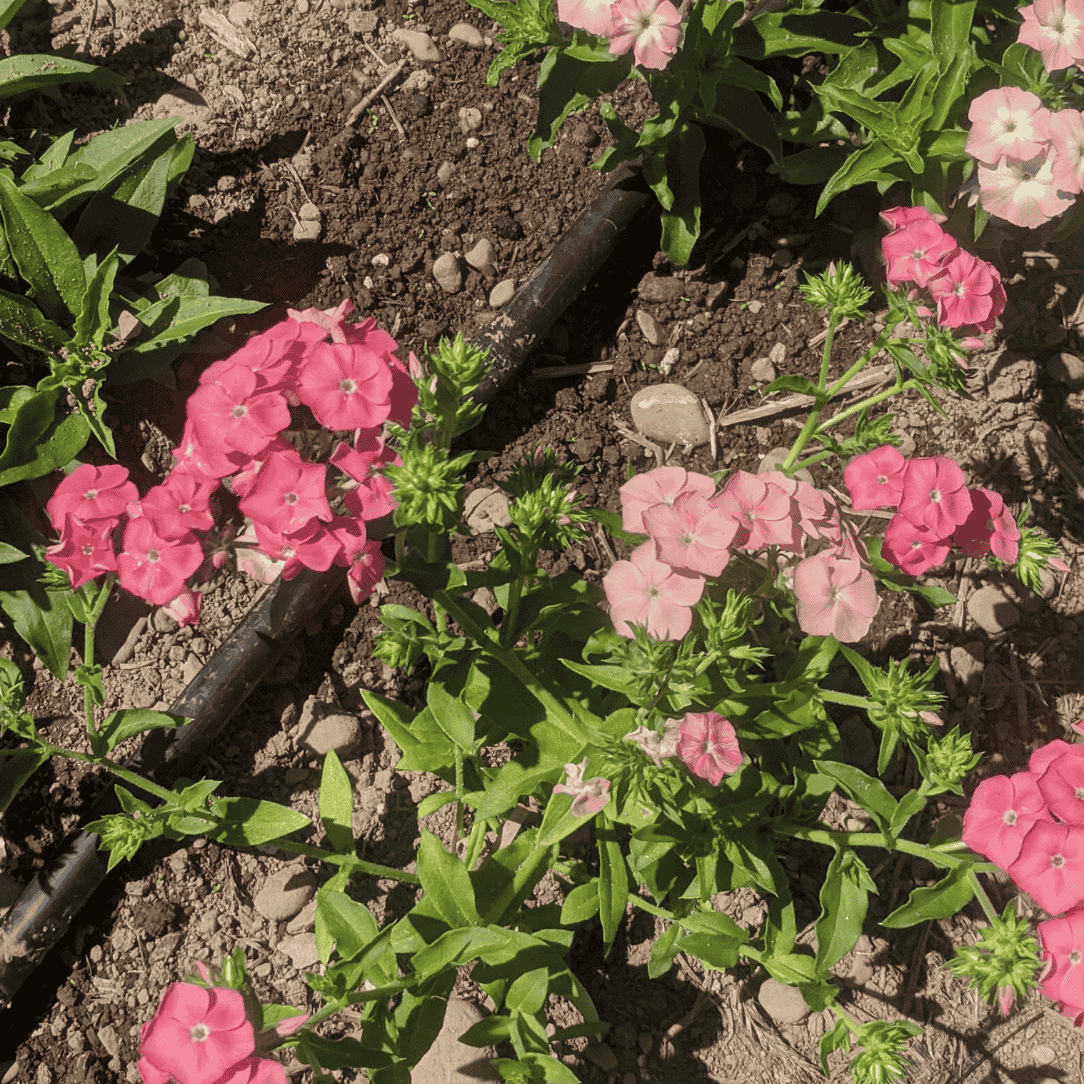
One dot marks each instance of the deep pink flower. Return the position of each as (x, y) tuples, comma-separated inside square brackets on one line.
[(915, 252), (314, 546), (662, 485), (346, 387), (836, 597), (762, 511), (935, 495), (1006, 122), (272, 355), (645, 591), (691, 535), (913, 549), (1050, 867), (875, 480), (990, 528), (372, 497), (650, 28), (1062, 943), (588, 795), (968, 291), (208, 459), (185, 608), (197, 1035), (898, 217), (91, 494), (1056, 29), (708, 746), (181, 503), (1046, 756), (360, 556), (1000, 812), (591, 15), (288, 493), (153, 567), (85, 551), (1059, 773), (256, 1071), (232, 414)]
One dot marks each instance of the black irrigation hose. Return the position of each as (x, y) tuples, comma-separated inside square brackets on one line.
[(40, 918)]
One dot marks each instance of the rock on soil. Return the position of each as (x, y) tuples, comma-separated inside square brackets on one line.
[(670, 414), (285, 893), (784, 1004), (991, 610), (449, 1061)]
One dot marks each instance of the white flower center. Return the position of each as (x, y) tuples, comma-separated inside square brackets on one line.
[(1009, 817), (199, 1033), (290, 498), (153, 555), (347, 386)]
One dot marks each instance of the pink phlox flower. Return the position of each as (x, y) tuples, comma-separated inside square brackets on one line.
[(185, 610), (1062, 943), (1006, 996), (915, 252), (650, 28), (708, 746), (1055, 28), (1022, 191), (91, 494), (657, 745), (252, 560), (1001, 810), (594, 16), (935, 495), (817, 512), (898, 217), (331, 321), (844, 540), (153, 567), (912, 549), (206, 458), (372, 497), (314, 546), (990, 528), (1062, 785), (836, 597), (242, 483), (1050, 867), (646, 591), (288, 493), (588, 795), (272, 355), (197, 1035), (1006, 122), (404, 392), (1040, 761), (256, 1071), (360, 556), (691, 535), (968, 291), (181, 503), (232, 414), (875, 479), (346, 387), (659, 486), (762, 511), (85, 551)]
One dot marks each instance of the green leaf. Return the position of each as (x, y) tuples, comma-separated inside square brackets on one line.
[(451, 715), (39, 441), (681, 221), (332, 1054), (713, 938), (580, 904), (8, 10), (941, 900), (28, 71), (445, 880), (839, 1038), (16, 767), (337, 804), (528, 993), (663, 952), (93, 320), (613, 881), (349, 924), (46, 257), (248, 822), (9, 555), (43, 620), (844, 897), (871, 794), (489, 1031), (22, 322), (869, 163)]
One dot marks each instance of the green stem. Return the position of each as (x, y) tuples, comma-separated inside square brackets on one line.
[(104, 591), (933, 855), (865, 404), (810, 426), (984, 899), (458, 793), (515, 594)]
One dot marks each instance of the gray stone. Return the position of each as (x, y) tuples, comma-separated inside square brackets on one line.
[(305, 920), (470, 120), (446, 272), (774, 459), (241, 13), (762, 371), (1067, 369), (422, 46), (448, 1061), (648, 327), (660, 290), (502, 293), (301, 948), (991, 610), (337, 731), (162, 622), (784, 1004), (107, 1036), (307, 230), (445, 172), (481, 256), (285, 893), (485, 508), (467, 35), (967, 664), (670, 414)]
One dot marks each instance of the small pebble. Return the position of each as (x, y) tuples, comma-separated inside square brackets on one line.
[(784, 1004), (991, 610), (447, 273), (762, 371), (422, 46), (668, 414), (502, 293), (481, 256), (1043, 1055), (648, 327), (467, 35)]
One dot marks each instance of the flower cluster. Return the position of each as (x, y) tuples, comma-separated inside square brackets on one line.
[(234, 436), (650, 28), (1031, 824), (966, 290), (692, 531), (936, 510)]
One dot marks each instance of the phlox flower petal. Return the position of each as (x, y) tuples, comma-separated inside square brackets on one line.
[(836, 597), (989, 529), (659, 486), (1050, 867), (691, 535), (708, 746), (935, 495), (913, 549), (1055, 28), (645, 591), (650, 28), (1006, 122), (875, 479), (1001, 810), (91, 494), (1021, 191)]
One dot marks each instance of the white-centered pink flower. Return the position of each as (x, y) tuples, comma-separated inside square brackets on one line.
[(1056, 29), (968, 291), (588, 795), (762, 511), (691, 535), (594, 16), (663, 485), (650, 28), (1022, 192), (914, 253), (836, 597), (645, 591), (708, 746), (1006, 122), (875, 479), (999, 814), (1067, 136)]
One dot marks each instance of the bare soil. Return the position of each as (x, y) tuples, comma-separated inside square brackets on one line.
[(271, 135)]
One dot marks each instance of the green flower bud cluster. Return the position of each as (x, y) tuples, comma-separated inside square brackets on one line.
[(427, 485), (839, 289), (1006, 956)]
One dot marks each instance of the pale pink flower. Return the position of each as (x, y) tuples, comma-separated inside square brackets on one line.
[(645, 591), (85, 551), (185, 610), (662, 485), (1067, 136), (1056, 29), (1062, 943), (708, 746), (762, 511), (1006, 122), (1022, 191), (915, 252), (291, 1025), (691, 535), (650, 28), (232, 414), (656, 745), (196, 1035), (935, 495), (153, 567), (1001, 810), (836, 597), (898, 217), (346, 387), (968, 291), (990, 528), (588, 795), (1050, 867), (288, 493), (594, 16), (91, 494), (875, 479), (913, 549)]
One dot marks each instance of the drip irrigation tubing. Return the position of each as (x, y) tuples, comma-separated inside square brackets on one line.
[(43, 913)]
